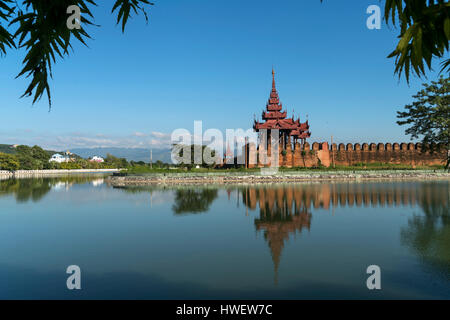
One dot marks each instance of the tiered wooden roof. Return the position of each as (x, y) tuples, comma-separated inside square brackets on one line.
[(275, 118)]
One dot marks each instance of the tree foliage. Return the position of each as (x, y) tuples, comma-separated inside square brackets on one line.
[(8, 162), (40, 27), (193, 149), (429, 115), (36, 158), (32, 158), (424, 34), (115, 161)]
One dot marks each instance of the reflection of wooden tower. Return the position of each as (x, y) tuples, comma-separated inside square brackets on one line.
[(281, 214), (276, 232), (284, 210)]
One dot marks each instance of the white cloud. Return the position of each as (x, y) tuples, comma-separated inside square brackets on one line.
[(70, 140), (82, 140), (160, 134), (140, 134)]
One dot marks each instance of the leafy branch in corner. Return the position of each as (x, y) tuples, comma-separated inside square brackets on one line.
[(40, 28), (424, 34)]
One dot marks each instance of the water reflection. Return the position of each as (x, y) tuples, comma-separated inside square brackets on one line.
[(282, 212), (411, 221), (35, 189), (186, 200), (287, 210), (193, 200), (428, 234), (326, 195), (25, 190)]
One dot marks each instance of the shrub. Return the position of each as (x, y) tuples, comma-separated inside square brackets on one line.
[(9, 162), (70, 165)]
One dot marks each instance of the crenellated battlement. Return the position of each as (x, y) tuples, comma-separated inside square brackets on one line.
[(306, 155), (376, 147)]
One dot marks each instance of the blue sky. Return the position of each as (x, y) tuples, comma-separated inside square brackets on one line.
[(211, 60)]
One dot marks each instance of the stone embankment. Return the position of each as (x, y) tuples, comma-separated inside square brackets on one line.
[(47, 173), (122, 181)]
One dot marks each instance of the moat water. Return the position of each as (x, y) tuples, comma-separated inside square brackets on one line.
[(292, 241)]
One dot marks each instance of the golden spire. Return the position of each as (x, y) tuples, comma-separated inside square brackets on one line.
[(273, 78)]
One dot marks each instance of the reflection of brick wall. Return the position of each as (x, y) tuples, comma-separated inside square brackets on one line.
[(324, 195), (346, 155)]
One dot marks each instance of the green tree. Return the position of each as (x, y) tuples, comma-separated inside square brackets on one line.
[(28, 163), (429, 115), (111, 160), (39, 153), (159, 164), (25, 157), (40, 27), (22, 149), (9, 162), (201, 149), (424, 34), (41, 156), (32, 158)]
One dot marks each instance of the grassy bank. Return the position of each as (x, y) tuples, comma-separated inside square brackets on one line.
[(142, 170)]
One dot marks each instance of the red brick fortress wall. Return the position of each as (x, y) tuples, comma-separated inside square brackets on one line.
[(350, 154), (396, 153)]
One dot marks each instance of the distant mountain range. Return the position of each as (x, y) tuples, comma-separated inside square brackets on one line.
[(135, 154)]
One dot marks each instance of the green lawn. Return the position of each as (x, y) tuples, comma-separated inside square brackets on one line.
[(370, 167)]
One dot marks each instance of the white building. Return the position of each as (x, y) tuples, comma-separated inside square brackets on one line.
[(58, 158), (97, 159)]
